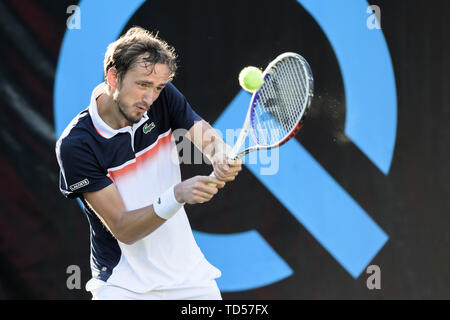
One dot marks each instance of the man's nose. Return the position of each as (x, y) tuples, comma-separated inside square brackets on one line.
[(148, 97)]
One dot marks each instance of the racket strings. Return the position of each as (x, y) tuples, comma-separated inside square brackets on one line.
[(280, 102)]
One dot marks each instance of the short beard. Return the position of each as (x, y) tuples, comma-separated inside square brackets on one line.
[(123, 113)]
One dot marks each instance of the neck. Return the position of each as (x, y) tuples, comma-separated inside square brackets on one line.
[(109, 111)]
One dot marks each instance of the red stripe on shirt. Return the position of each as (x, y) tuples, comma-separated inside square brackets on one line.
[(144, 157)]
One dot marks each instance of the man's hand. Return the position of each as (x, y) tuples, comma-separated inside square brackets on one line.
[(226, 169), (198, 189)]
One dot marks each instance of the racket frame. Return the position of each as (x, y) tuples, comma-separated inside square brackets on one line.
[(246, 128)]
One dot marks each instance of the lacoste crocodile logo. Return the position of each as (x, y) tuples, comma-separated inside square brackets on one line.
[(148, 127)]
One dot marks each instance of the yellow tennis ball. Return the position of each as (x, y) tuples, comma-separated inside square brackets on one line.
[(251, 79)]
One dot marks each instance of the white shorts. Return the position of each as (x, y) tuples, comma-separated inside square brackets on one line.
[(205, 291)]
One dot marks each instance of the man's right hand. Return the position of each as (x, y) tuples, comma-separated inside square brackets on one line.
[(197, 189)]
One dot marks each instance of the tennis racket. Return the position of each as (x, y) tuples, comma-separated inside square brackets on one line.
[(277, 109)]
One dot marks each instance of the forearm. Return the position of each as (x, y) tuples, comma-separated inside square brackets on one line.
[(129, 226), (216, 150), (207, 140), (137, 224)]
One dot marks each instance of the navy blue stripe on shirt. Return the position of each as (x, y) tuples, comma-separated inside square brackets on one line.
[(105, 250)]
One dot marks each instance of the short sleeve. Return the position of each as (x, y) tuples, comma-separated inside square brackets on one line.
[(80, 170), (181, 113)]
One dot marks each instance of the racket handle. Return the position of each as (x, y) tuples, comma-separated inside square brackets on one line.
[(210, 183)]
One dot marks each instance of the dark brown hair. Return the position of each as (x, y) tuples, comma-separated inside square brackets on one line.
[(138, 42)]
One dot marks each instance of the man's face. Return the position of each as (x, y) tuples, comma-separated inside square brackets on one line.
[(139, 88)]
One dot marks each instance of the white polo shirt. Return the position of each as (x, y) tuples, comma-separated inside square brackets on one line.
[(139, 160)]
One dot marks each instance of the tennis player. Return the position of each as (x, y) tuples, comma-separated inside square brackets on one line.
[(116, 157)]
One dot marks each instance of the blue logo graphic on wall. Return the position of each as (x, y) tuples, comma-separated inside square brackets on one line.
[(322, 206)]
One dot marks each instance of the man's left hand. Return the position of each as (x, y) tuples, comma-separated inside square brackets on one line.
[(226, 169)]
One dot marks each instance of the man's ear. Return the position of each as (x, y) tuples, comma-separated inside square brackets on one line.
[(112, 78)]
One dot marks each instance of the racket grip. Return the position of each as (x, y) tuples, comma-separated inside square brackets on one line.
[(210, 183)]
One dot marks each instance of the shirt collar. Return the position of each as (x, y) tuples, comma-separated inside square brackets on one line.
[(102, 128)]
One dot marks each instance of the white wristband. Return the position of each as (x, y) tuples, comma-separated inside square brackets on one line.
[(166, 205)]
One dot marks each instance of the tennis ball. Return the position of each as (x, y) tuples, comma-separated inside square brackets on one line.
[(251, 79)]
